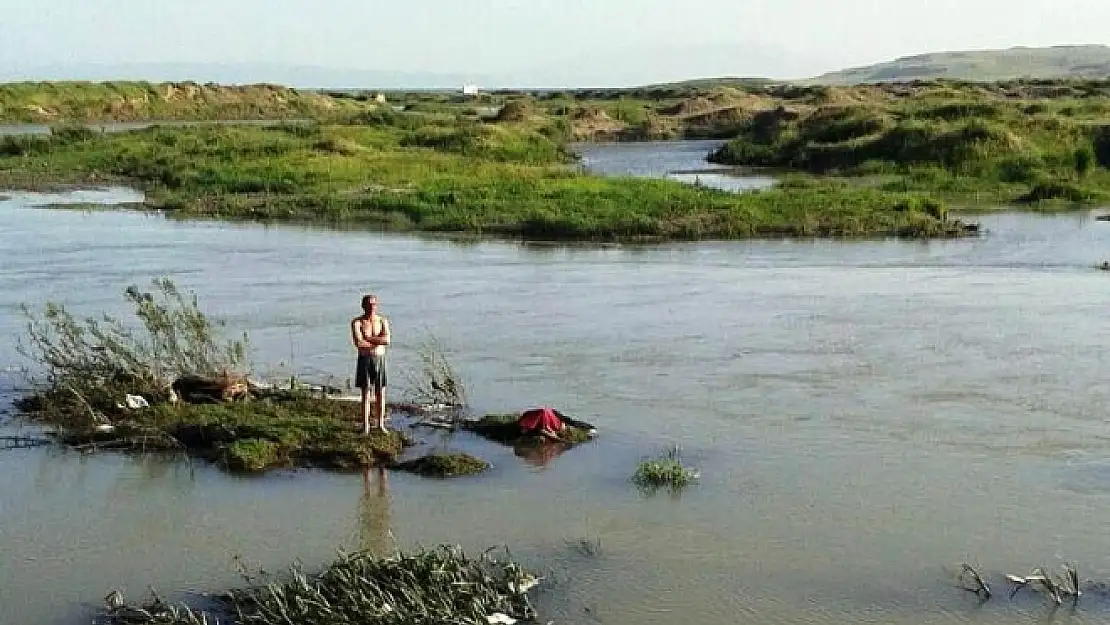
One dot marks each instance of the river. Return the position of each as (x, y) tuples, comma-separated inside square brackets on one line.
[(865, 416)]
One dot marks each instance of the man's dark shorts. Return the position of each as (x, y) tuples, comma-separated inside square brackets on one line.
[(370, 371)]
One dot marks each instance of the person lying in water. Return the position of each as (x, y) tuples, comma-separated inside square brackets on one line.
[(370, 333)]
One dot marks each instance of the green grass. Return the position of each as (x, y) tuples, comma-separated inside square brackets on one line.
[(438, 585), (254, 436), (439, 175), (444, 465), (667, 471), (956, 145), (69, 102)]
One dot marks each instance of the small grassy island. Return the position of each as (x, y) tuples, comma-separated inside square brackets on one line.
[(168, 381)]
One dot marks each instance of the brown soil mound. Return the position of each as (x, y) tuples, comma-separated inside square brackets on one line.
[(594, 123), (722, 100)]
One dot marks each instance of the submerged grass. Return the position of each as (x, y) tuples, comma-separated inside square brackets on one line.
[(441, 585)]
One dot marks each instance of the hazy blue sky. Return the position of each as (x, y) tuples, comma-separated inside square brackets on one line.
[(538, 41)]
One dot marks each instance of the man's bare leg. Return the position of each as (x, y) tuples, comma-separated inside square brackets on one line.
[(380, 405), (366, 409)]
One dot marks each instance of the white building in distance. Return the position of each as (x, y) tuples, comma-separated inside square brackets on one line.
[(470, 89)]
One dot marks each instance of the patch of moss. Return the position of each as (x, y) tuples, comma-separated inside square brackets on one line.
[(252, 455), (444, 465), (500, 428)]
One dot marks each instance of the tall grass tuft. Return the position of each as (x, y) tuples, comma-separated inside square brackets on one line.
[(666, 471)]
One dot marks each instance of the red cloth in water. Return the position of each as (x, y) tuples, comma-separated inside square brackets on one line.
[(539, 419)]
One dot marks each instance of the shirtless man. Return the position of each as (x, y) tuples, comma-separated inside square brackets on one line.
[(370, 333)]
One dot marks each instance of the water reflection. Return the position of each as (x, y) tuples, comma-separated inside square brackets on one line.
[(374, 534), (541, 455)]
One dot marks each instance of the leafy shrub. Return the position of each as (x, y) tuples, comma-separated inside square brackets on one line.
[(90, 364)]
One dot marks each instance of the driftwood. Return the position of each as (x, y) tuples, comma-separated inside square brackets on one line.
[(1057, 588), (199, 389)]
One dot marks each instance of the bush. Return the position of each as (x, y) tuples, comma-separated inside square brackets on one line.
[(73, 133), (1101, 145), (24, 145), (1048, 191), (1021, 169), (839, 124), (90, 364), (518, 110), (1084, 160)]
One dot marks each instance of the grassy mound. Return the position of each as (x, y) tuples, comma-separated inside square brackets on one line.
[(251, 436), (960, 143), (67, 102), (444, 465), (503, 428)]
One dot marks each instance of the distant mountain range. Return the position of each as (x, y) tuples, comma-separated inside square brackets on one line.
[(1087, 61)]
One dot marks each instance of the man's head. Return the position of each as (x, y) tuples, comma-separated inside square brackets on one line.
[(369, 303)]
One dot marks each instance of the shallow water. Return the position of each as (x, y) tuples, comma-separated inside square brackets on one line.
[(684, 161), (865, 416)]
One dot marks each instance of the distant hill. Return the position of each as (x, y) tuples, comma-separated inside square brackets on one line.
[(1087, 61)]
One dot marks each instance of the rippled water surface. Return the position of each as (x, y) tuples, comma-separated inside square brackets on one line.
[(684, 161), (865, 416)]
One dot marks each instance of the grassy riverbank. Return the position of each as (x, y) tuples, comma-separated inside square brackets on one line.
[(438, 173), (76, 102), (962, 143)]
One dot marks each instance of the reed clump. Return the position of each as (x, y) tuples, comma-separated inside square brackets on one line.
[(666, 471), (440, 585)]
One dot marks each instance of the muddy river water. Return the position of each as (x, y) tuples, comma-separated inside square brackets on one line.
[(865, 415)]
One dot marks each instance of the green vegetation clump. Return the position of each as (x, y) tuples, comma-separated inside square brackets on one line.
[(959, 143), (667, 471), (504, 429), (440, 585), (88, 365), (517, 110), (444, 465)]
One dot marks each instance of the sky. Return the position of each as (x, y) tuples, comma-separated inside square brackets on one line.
[(524, 42)]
